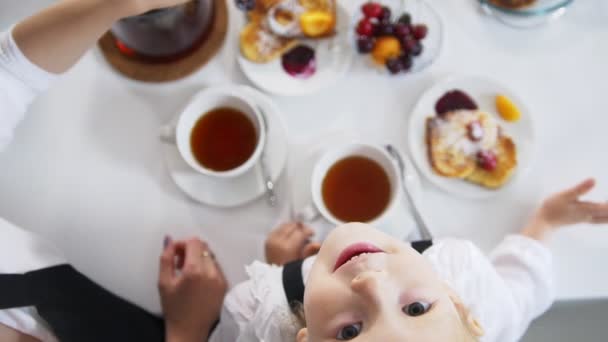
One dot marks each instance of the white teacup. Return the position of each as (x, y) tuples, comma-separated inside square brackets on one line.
[(200, 105), (332, 156)]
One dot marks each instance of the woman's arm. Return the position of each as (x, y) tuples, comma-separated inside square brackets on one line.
[(57, 37)]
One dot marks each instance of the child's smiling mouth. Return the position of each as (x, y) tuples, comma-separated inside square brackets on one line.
[(352, 253)]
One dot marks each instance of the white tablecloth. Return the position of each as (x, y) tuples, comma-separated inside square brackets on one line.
[(86, 169)]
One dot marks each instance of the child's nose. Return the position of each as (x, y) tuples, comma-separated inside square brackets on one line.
[(369, 284)]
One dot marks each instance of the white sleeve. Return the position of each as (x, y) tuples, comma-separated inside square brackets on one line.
[(22, 251), (21, 82), (257, 309), (504, 291)]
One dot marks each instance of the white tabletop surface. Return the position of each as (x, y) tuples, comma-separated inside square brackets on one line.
[(86, 170)]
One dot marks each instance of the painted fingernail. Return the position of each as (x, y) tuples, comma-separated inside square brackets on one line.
[(166, 241)]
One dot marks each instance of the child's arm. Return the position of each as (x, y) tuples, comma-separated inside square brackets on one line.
[(57, 37), (565, 208)]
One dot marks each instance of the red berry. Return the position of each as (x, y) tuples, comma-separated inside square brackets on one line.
[(406, 61), (385, 15), (401, 30), (365, 28), (408, 43), (419, 31), (475, 131), (394, 65), (372, 10), (416, 50), (365, 44), (487, 160)]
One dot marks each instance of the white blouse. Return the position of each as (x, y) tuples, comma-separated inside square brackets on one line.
[(504, 291)]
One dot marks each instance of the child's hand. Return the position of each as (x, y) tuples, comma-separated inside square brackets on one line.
[(565, 208), (290, 242)]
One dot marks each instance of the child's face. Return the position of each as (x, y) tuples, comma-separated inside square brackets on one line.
[(393, 295)]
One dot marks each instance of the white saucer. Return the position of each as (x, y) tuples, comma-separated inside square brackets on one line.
[(333, 58), (400, 224), (483, 91), (242, 189)]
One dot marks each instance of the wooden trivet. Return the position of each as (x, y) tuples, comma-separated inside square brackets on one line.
[(165, 72)]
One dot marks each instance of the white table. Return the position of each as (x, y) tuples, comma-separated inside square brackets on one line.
[(86, 170)]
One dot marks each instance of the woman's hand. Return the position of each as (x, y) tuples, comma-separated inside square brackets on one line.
[(192, 289), (290, 242), (565, 208)]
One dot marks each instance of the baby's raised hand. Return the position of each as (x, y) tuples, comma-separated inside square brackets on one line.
[(565, 208), (289, 242)]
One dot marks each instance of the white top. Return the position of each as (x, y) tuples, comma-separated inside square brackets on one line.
[(20, 83), (20, 251), (504, 291)]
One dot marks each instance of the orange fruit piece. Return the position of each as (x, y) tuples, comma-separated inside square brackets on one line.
[(317, 23), (507, 109), (386, 48)]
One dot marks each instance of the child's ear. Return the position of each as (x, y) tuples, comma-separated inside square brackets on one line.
[(302, 335), (466, 317)]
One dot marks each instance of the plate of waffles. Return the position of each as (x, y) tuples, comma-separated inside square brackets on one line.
[(294, 47), (471, 136)]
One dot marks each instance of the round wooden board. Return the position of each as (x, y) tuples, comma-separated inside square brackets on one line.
[(165, 72)]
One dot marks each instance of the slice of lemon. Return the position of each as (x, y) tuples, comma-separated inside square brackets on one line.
[(317, 23), (507, 109)]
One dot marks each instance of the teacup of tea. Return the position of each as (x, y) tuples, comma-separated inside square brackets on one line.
[(355, 183), (220, 134)]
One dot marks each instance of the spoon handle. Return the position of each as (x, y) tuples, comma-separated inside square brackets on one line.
[(425, 233)]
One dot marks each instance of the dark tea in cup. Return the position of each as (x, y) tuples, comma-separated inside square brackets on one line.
[(356, 189), (223, 139)]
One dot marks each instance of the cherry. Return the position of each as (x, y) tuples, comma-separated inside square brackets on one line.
[(365, 44), (394, 65), (401, 30), (419, 31), (405, 19), (384, 29), (385, 16), (365, 27), (408, 43), (372, 10), (406, 61), (416, 50)]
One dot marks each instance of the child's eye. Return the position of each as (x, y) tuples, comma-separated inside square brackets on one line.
[(416, 309), (349, 332)]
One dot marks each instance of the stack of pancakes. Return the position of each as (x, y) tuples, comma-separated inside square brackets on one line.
[(453, 154)]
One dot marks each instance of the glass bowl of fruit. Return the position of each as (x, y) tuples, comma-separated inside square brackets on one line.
[(396, 36), (525, 13)]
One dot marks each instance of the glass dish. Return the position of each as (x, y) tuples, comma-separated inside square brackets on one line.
[(538, 13), (422, 12)]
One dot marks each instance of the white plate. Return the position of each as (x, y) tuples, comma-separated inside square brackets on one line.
[(422, 12), (333, 57), (242, 189), (483, 91), (400, 224)]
